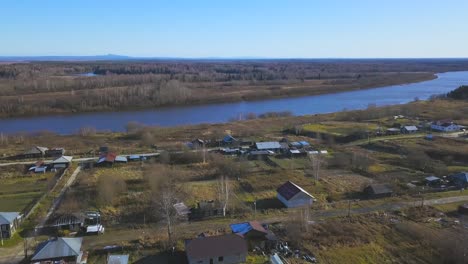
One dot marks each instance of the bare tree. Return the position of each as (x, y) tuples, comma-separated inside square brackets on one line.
[(223, 192), (316, 162)]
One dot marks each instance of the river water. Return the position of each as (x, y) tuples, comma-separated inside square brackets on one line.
[(216, 113)]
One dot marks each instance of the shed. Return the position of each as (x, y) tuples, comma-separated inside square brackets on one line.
[(463, 209), (378, 191), (291, 195), (62, 162), (393, 131), (252, 230)]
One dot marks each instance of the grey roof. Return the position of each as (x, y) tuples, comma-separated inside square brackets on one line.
[(432, 178), (36, 150), (267, 145), (410, 128), (117, 259), (8, 217), (58, 248)]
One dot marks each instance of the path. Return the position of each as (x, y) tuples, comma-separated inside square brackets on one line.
[(16, 254)]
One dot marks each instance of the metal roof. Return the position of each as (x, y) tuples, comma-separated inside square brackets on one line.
[(410, 128), (289, 189), (215, 246), (117, 259), (432, 178), (61, 247), (267, 145), (121, 159), (63, 159), (7, 218)]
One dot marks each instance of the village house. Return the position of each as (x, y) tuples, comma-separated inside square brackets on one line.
[(229, 140), (117, 259), (432, 181), (393, 131), (378, 191), (272, 146), (55, 152), (460, 179), (35, 152), (107, 159), (9, 222), (291, 195), (224, 249), (39, 167), (62, 162), (445, 126), (60, 250), (409, 129)]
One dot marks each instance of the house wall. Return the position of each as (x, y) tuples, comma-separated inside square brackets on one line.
[(226, 260), (445, 129), (299, 200)]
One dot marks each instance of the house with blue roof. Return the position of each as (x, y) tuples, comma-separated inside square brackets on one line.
[(460, 179)]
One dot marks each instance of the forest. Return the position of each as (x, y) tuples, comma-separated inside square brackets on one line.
[(35, 88)]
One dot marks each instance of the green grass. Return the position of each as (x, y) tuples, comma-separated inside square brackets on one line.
[(339, 128)]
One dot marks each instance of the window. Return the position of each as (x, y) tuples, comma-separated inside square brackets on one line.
[(220, 259)]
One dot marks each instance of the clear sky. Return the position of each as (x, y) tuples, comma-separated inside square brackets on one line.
[(236, 28)]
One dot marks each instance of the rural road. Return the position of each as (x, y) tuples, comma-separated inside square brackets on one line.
[(74, 160)]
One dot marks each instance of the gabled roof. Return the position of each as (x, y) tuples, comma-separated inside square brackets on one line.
[(268, 145), (380, 188), (36, 150), (229, 138), (289, 189), (58, 248), (117, 259), (6, 218), (244, 228), (109, 157), (215, 246), (63, 159)]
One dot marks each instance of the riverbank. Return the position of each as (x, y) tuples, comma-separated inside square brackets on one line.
[(136, 98)]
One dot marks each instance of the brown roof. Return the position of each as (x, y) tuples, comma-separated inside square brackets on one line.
[(257, 226), (215, 246), (290, 189)]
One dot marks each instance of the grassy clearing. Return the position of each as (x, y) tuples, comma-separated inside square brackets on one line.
[(339, 128)]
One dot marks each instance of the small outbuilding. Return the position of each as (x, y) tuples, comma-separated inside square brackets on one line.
[(378, 191), (60, 250), (463, 209)]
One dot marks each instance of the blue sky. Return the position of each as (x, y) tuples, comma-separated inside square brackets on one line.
[(238, 28)]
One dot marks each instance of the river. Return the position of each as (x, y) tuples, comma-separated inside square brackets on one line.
[(216, 113)]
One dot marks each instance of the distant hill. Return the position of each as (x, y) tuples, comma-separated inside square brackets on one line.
[(65, 58), (461, 93)]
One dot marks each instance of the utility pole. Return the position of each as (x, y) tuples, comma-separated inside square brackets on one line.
[(255, 209), (1, 235)]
